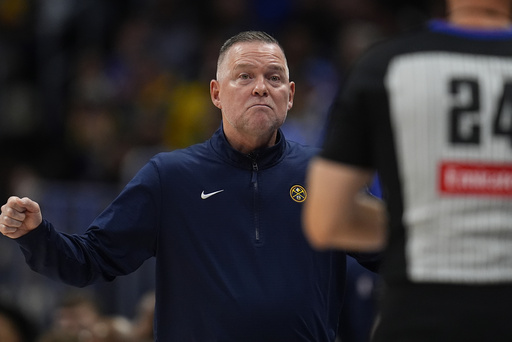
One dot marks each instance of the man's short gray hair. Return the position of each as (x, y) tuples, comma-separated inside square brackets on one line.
[(245, 37)]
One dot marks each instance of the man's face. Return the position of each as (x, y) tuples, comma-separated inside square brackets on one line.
[(253, 89)]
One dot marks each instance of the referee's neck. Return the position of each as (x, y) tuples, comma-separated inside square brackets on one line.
[(480, 14)]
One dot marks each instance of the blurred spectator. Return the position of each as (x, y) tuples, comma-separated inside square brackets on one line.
[(105, 330), (142, 329), (58, 336), (316, 79), (79, 315), (15, 325), (354, 37), (76, 311)]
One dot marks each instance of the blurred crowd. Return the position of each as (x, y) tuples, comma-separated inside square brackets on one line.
[(91, 89), (78, 317)]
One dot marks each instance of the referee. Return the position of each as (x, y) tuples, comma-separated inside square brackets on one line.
[(431, 111)]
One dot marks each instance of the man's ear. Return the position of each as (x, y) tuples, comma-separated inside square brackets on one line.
[(292, 94), (215, 92)]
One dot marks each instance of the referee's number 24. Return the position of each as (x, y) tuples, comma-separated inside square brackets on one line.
[(465, 125)]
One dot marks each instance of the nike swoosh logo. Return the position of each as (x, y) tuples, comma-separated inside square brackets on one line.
[(205, 196)]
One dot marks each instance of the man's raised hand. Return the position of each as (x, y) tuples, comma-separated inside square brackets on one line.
[(19, 216)]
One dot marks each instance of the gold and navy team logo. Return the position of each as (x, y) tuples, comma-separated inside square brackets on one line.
[(298, 193)]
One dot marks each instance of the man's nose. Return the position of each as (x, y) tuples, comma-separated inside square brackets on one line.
[(260, 87)]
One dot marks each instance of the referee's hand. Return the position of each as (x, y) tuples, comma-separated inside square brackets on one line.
[(19, 216)]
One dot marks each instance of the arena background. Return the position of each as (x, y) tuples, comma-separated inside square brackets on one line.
[(91, 89)]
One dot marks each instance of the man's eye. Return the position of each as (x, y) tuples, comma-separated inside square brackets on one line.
[(244, 76), (275, 78)]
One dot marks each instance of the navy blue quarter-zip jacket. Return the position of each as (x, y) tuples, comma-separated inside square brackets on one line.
[(225, 228)]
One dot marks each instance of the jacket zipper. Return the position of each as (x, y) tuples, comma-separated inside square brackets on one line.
[(254, 181)]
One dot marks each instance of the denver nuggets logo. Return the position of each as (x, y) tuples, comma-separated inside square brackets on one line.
[(298, 193)]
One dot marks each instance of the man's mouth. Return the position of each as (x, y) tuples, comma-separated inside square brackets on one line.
[(260, 105)]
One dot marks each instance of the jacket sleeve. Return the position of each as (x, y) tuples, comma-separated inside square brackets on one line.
[(119, 240)]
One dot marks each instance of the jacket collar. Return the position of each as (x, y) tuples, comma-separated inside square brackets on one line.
[(263, 158)]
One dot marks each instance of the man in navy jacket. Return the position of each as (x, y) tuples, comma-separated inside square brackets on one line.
[(222, 218)]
